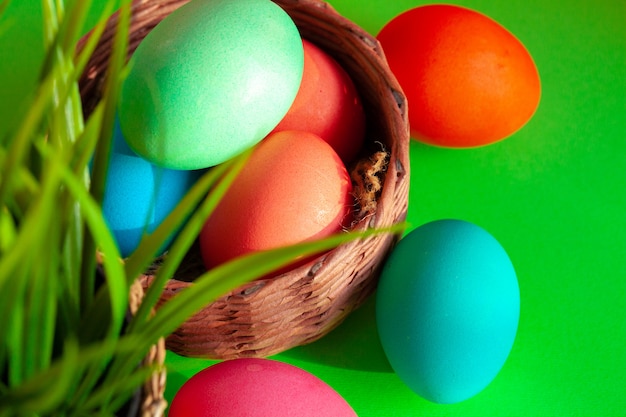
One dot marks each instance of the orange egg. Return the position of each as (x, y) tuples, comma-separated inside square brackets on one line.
[(327, 104), (293, 188), (468, 80)]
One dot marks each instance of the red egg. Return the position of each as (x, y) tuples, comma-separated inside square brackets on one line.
[(253, 387), (327, 104), (293, 188), (468, 80)]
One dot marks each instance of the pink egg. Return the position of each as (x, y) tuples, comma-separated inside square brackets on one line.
[(327, 104), (253, 387), (293, 188)]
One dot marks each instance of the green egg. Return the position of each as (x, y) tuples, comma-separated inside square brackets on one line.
[(209, 81)]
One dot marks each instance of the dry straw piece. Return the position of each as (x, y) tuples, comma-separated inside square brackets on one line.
[(268, 316)]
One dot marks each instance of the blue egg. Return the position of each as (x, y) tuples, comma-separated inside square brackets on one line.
[(447, 310), (139, 195)]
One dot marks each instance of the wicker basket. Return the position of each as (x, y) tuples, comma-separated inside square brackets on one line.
[(269, 316)]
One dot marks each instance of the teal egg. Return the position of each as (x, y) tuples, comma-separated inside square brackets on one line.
[(139, 196), (447, 310), (210, 80)]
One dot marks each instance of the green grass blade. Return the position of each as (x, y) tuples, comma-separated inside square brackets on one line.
[(53, 387), (101, 157), (32, 233), (38, 326), (21, 261), (7, 230), (26, 186), (111, 396), (93, 358), (94, 37), (85, 145), (50, 27), (33, 312), (70, 254), (65, 121), (218, 180), (44, 392), (15, 334), (72, 25), (117, 62), (21, 139), (116, 281), (11, 308), (111, 305), (87, 141), (47, 332)]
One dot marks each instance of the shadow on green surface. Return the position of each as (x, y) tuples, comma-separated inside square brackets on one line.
[(353, 345)]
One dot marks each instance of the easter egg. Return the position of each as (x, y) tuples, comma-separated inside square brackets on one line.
[(254, 387), (138, 195), (468, 80), (327, 104), (210, 80), (293, 188), (447, 309)]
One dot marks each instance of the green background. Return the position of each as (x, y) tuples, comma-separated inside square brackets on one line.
[(553, 194)]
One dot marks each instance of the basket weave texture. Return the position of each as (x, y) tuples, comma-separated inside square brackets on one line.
[(268, 316)]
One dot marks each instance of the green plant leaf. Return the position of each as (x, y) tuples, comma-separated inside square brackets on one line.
[(11, 308), (38, 395), (7, 230), (112, 85), (101, 158), (50, 28), (113, 395), (39, 314), (93, 38), (45, 334), (111, 260), (26, 186), (15, 336), (32, 232), (43, 392), (19, 144), (217, 181), (87, 141), (72, 26)]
